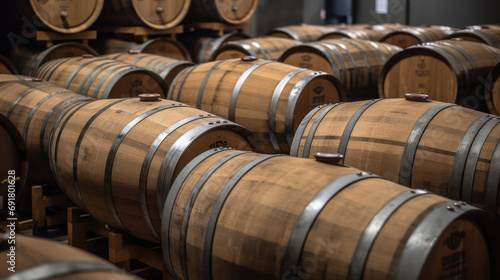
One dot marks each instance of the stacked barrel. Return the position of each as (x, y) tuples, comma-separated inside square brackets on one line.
[(257, 158)]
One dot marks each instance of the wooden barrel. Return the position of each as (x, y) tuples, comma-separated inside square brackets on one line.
[(356, 63), (448, 71), (348, 26), (60, 16), (157, 14), (163, 46), (269, 98), (238, 215), (449, 150), (486, 35), (202, 48), (269, 48), (365, 34), (304, 32), (13, 167), (33, 107), (229, 11), (6, 67), (29, 58), (410, 36), (492, 95), (166, 68), (101, 78), (39, 258), (116, 159)]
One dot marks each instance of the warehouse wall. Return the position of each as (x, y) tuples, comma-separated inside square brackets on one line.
[(457, 13), (275, 13)]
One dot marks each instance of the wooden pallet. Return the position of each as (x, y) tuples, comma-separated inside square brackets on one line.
[(140, 33), (218, 27), (121, 248), (44, 224), (49, 37)]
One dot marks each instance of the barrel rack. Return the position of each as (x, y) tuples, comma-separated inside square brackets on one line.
[(49, 37), (89, 234), (140, 33), (218, 27)]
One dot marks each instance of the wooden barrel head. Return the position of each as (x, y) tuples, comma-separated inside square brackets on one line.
[(307, 57), (161, 14), (165, 47), (460, 252), (236, 12), (401, 39), (68, 16), (424, 73), (493, 90), (137, 82), (69, 49)]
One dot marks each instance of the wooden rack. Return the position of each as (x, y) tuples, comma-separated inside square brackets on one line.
[(49, 37), (141, 33), (122, 249), (217, 27)]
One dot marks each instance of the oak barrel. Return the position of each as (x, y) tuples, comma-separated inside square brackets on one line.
[(157, 14), (163, 46), (13, 167), (166, 68), (356, 63), (6, 66), (117, 158), (101, 78), (29, 58), (61, 16), (201, 48), (229, 11), (410, 36), (367, 33), (486, 35), (303, 33), (269, 48), (448, 71), (33, 107), (269, 98), (493, 90), (239, 215), (447, 149), (39, 258)]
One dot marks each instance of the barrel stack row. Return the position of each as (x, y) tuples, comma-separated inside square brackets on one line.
[(144, 166), (160, 169)]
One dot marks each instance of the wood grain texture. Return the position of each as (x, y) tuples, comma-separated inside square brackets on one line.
[(242, 91), (68, 17), (449, 71), (29, 58), (380, 138), (365, 34), (166, 68), (228, 11), (255, 223), (33, 107), (270, 48), (163, 46), (356, 63), (32, 252), (156, 14), (101, 78), (116, 159)]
